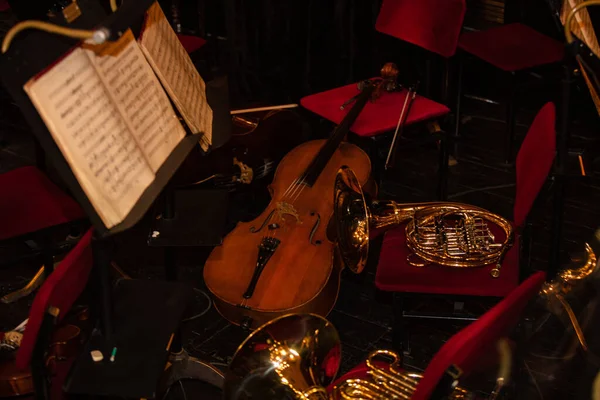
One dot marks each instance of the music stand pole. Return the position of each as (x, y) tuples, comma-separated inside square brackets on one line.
[(171, 259), (102, 255), (562, 136)]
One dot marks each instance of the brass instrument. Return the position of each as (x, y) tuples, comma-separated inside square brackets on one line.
[(444, 233), (555, 292), (561, 342), (390, 383), (291, 357), (297, 356)]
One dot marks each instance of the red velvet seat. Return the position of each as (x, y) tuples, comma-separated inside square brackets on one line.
[(394, 274), (59, 292), (431, 24), (377, 117), (31, 202), (512, 47), (534, 163), (466, 348), (191, 43)]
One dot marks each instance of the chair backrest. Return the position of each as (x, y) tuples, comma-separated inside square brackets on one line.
[(534, 161), (60, 290), (465, 349), (431, 24)]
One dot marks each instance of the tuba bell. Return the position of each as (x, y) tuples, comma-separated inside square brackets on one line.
[(445, 233), (297, 357)]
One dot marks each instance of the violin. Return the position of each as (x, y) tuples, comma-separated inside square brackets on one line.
[(284, 261), (64, 346)]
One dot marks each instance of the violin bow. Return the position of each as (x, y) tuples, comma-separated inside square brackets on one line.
[(408, 100)]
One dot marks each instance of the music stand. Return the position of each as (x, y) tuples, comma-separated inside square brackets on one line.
[(148, 312)]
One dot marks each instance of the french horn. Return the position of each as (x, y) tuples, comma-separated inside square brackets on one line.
[(445, 233), (297, 357)]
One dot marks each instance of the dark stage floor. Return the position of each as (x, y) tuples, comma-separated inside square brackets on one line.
[(362, 314)]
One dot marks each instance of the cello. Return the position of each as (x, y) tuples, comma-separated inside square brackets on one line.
[(284, 261)]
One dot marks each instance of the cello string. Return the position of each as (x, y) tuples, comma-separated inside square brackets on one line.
[(295, 182), (298, 185), (293, 193)]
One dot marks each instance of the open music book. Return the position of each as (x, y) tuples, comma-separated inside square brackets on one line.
[(112, 119)]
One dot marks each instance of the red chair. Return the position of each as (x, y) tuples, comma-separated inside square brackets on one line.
[(394, 274), (191, 43), (411, 21), (465, 350), (53, 301), (515, 49), (30, 206), (382, 116), (433, 25)]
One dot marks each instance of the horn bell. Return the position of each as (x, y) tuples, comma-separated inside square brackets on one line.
[(451, 234), (295, 356), (351, 216)]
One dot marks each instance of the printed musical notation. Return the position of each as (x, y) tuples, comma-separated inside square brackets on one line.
[(111, 119), (144, 103), (177, 73)]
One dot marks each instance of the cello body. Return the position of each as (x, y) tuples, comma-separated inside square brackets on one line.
[(302, 274)]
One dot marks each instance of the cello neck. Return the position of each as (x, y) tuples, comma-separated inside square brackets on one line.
[(312, 172)]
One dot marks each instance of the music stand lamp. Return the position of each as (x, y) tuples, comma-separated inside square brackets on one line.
[(140, 316), (464, 351), (394, 273)]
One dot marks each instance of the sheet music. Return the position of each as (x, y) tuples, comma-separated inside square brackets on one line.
[(93, 137), (140, 97), (176, 71)]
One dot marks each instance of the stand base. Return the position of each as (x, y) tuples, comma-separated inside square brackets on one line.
[(147, 315), (183, 366)]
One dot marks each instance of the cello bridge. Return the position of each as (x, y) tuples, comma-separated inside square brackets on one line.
[(284, 209)]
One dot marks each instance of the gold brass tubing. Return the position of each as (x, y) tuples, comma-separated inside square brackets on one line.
[(505, 354), (571, 276), (574, 321), (47, 27), (569, 19), (113, 5), (33, 284)]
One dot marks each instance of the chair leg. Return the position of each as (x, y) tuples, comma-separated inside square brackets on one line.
[(38, 366), (400, 333), (40, 156), (427, 86), (460, 60), (510, 122), (444, 158), (526, 244)]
